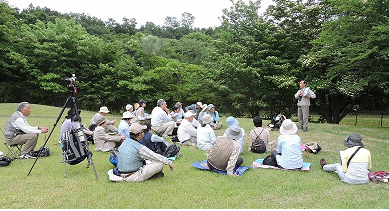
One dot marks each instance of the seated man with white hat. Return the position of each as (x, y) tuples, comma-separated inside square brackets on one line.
[(187, 133), (103, 113)]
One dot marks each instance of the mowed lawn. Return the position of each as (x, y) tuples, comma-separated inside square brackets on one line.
[(188, 187)]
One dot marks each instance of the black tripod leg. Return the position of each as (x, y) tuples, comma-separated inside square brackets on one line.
[(55, 124)]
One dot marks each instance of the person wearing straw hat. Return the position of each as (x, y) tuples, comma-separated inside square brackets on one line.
[(103, 113), (103, 141), (205, 134), (124, 125), (131, 165), (224, 155), (288, 153), (355, 161), (187, 133)]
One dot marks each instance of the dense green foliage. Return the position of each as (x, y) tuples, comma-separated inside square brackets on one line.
[(251, 64)]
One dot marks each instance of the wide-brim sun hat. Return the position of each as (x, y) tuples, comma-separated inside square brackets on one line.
[(128, 107), (137, 128), (189, 113), (127, 115), (100, 119), (204, 107), (288, 127), (234, 132), (207, 119), (104, 109), (231, 121), (354, 139)]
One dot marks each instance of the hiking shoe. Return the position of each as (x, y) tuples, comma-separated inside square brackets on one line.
[(157, 175), (322, 162), (27, 156)]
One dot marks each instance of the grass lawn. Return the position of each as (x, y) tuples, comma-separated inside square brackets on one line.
[(188, 187)]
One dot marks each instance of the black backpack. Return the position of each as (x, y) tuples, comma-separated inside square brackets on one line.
[(258, 145), (171, 151), (42, 152), (74, 147), (4, 160)]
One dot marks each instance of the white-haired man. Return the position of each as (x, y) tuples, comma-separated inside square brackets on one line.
[(161, 123), (19, 132)]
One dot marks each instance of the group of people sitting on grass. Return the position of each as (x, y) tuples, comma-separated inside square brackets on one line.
[(133, 140)]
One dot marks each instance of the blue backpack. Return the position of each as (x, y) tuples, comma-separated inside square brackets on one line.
[(114, 156)]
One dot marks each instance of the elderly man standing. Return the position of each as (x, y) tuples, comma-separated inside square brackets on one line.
[(187, 133), (304, 96), (19, 132), (161, 123), (103, 113)]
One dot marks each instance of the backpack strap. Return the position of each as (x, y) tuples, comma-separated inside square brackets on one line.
[(351, 157), (256, 139)]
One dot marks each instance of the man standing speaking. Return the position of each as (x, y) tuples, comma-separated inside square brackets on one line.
[(304, 96)]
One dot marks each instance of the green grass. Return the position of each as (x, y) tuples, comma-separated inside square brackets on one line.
[(188, 187)]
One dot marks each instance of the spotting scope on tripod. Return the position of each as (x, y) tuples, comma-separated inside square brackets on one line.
[(74, 143)]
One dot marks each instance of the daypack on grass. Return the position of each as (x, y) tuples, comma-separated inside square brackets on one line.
[(4, 160), (379, 176), (313, 147), (42, 152), (74, 150), (171, 151)]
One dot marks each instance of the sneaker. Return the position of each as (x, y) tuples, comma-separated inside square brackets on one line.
[(27, 156), (322, 162)]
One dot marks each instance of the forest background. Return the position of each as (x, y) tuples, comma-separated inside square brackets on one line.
[(250, 65)]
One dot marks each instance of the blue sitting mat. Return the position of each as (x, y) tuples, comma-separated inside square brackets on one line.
[(204, 166), (258, 164)]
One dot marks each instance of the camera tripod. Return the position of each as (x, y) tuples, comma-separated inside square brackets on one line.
[(77, 119)]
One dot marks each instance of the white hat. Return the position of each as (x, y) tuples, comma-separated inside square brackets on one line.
[(204, 107), (207, 119), (189, 114), (137, 128), (199, 104), (127, 115), (128, 107), (104, 109), (288, 127)]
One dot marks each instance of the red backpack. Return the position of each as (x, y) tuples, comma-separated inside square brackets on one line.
[(379, 176)]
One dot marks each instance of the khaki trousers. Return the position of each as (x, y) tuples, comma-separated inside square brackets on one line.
[(146, 172), (29, 140), (166, 128), (303, 114)]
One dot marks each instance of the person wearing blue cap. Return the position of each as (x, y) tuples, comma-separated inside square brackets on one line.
[(230, 122)]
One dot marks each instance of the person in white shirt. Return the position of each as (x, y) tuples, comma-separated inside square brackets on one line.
[(161, 123), (187, 134), (19, 132), (205, 134)]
